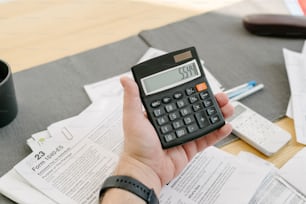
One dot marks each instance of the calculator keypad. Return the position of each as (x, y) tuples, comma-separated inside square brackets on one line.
[(184, 112)]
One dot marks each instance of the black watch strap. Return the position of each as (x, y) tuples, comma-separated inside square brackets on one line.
[(132, 185)]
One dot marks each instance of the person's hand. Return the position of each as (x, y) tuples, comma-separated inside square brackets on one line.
[(143, 157)]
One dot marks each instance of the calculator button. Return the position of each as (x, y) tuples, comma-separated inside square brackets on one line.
[(197, 107), (162, 120), (169, 137), (185, 111), (204, 95), (174, 115), (158, 112), (207, 103), (192, 128), (214, 119), (177, 124), (201, 87), (181, 103), (211, 111), (165, 129), (188, 119), (190, 91), (181, 132), (193, 99), (178, 95), (170, 107), (201, 119), (155, 104), (166, 100)]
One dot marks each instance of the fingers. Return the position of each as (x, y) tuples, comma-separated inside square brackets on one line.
[(222, 99), (132, 110), (226, 108), (133, 103), (132, 106), (213, 137), (219, 134)]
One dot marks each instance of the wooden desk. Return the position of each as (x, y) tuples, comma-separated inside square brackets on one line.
[(278, 159), (34, 32)]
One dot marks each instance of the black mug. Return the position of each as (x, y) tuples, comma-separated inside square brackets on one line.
[(8, 102)]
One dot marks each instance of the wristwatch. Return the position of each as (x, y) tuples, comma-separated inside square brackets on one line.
[(132, 185)]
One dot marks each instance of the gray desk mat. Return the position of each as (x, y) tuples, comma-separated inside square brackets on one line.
[(54, 91), (233, 55)]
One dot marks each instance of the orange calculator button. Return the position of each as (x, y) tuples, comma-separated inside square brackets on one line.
[(201, 87)]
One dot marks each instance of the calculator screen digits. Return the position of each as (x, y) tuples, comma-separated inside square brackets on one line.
[(171, 77)]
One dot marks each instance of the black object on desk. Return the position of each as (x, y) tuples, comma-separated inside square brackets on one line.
[(276, 25), (8, 102)]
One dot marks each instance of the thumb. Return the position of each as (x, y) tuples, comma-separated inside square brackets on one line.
[(132, 106)]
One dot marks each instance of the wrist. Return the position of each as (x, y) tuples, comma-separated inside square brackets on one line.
[(136, 189), (129, 166)]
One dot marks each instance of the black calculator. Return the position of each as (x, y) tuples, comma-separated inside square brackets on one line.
[(177, 97)]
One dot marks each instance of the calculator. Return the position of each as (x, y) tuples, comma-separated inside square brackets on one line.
[(177, 97), (257, 131)]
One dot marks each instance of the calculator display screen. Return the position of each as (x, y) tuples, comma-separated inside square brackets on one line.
[(171, 77)]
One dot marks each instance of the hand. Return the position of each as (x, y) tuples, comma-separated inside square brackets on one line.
[(143, 157)]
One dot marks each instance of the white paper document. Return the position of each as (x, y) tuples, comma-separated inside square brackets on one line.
[(296, 70), (68, 173), (73, 173), (215, 177), (275, 188), (289, 111), (38, 140), (294, 170), (13, 186), (85, 152)]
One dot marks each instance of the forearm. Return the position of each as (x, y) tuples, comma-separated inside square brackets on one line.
[(131, 167)]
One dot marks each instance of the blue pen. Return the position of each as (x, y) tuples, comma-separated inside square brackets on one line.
[(247, 92), (240, 89)]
